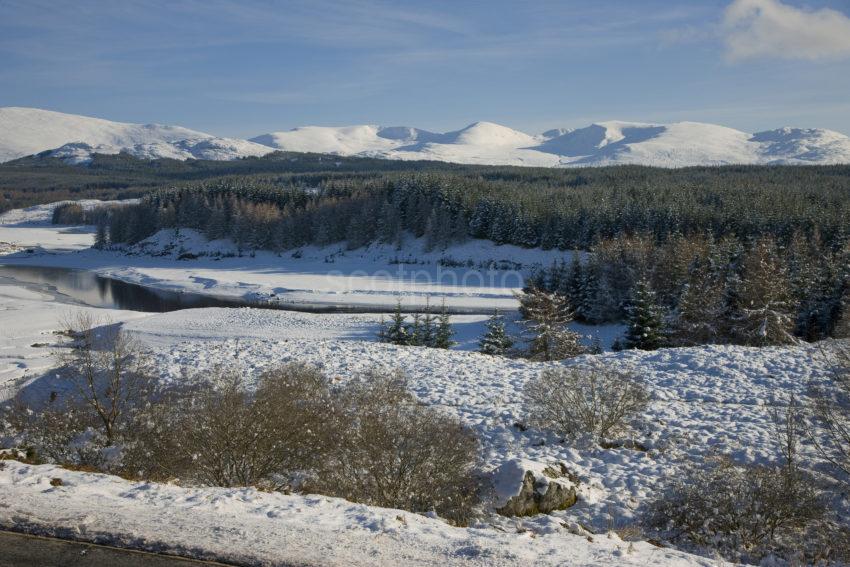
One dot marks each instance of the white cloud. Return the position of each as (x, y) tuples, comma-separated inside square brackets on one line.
[(769, 28)]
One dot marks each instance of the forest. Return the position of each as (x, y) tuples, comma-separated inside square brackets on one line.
[(752, 255)]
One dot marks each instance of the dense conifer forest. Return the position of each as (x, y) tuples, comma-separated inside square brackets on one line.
[(750, 254)]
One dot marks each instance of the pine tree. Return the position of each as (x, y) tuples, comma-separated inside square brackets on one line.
[(842, 324), (396, 332), (546, 316), (414, 331), (698, 318), (495, 340), (588, 307), (646, 330), (427, 329), (764, 307), (571, 285), (101, 239), (444, 334)]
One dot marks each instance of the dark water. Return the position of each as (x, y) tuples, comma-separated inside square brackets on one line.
[(83, 286), (86, 287)]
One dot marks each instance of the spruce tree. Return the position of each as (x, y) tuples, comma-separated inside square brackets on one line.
[(443, 337), (427, 328), (764, 306), (842, 324), (646, 330), (495, 340), (698, 317), (101, 239), (396, 332), (414, 331), (546, 316), (571, 286)]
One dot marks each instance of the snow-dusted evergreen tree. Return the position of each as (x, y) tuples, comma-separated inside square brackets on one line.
[(396, 331), (764, 309), (101, 237), (698, 318), (646, 328), (571, 284), (495, 340), (389, 224), (444, 334), (592, 306), (546, 316), (414, 331), (427, 335), (842, 323)]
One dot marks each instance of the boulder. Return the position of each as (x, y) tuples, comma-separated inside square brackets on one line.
[(526, 488)]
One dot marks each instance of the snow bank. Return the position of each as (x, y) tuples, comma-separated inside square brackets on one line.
[(245, 525)]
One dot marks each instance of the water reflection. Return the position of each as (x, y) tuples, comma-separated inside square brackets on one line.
[(89, 288)]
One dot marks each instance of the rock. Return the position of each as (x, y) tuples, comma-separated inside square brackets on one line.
[(526, 488)]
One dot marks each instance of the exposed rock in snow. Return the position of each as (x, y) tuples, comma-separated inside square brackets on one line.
[(526, 488)]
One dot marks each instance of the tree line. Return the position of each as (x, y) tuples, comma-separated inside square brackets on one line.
[(548, 209), (699, 290)]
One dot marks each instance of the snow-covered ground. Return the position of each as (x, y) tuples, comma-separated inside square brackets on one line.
[(245, 525), (704, 401)]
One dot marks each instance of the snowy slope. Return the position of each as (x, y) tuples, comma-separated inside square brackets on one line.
[(26, 131), (605, 143)]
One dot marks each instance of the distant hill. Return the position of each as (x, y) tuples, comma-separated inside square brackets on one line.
[(74, 139)]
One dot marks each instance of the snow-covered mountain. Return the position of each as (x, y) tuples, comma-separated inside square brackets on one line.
[(605, 143), (26, 131)]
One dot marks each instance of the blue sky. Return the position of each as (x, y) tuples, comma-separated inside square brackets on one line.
[(242, 68)]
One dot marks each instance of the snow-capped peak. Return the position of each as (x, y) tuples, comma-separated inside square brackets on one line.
[(26, 131)]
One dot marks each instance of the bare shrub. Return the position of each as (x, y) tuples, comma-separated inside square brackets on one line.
[(576, 401), (397, 453), (831, 409), (104, 381), (218, 433), (108, 370), (748, 512), (58, 430), (742, 511)]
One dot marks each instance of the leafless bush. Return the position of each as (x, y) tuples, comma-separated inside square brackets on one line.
[(575, 401), (742, 511), (747, 512), (218, 433), (370, 441), (395, 452), (831, 409), (108, 371), (57, 430), (104, 380)]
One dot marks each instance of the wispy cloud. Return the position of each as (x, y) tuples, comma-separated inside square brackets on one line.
[(770, 29)]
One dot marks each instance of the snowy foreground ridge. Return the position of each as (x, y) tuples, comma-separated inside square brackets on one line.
[(249, 526), (26, 131)]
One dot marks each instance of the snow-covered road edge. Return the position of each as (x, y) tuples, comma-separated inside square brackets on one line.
[(251, 527)]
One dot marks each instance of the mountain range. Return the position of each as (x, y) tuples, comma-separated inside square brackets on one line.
[(27, 131)]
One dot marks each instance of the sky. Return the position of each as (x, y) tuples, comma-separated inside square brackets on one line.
[(243, 68)]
